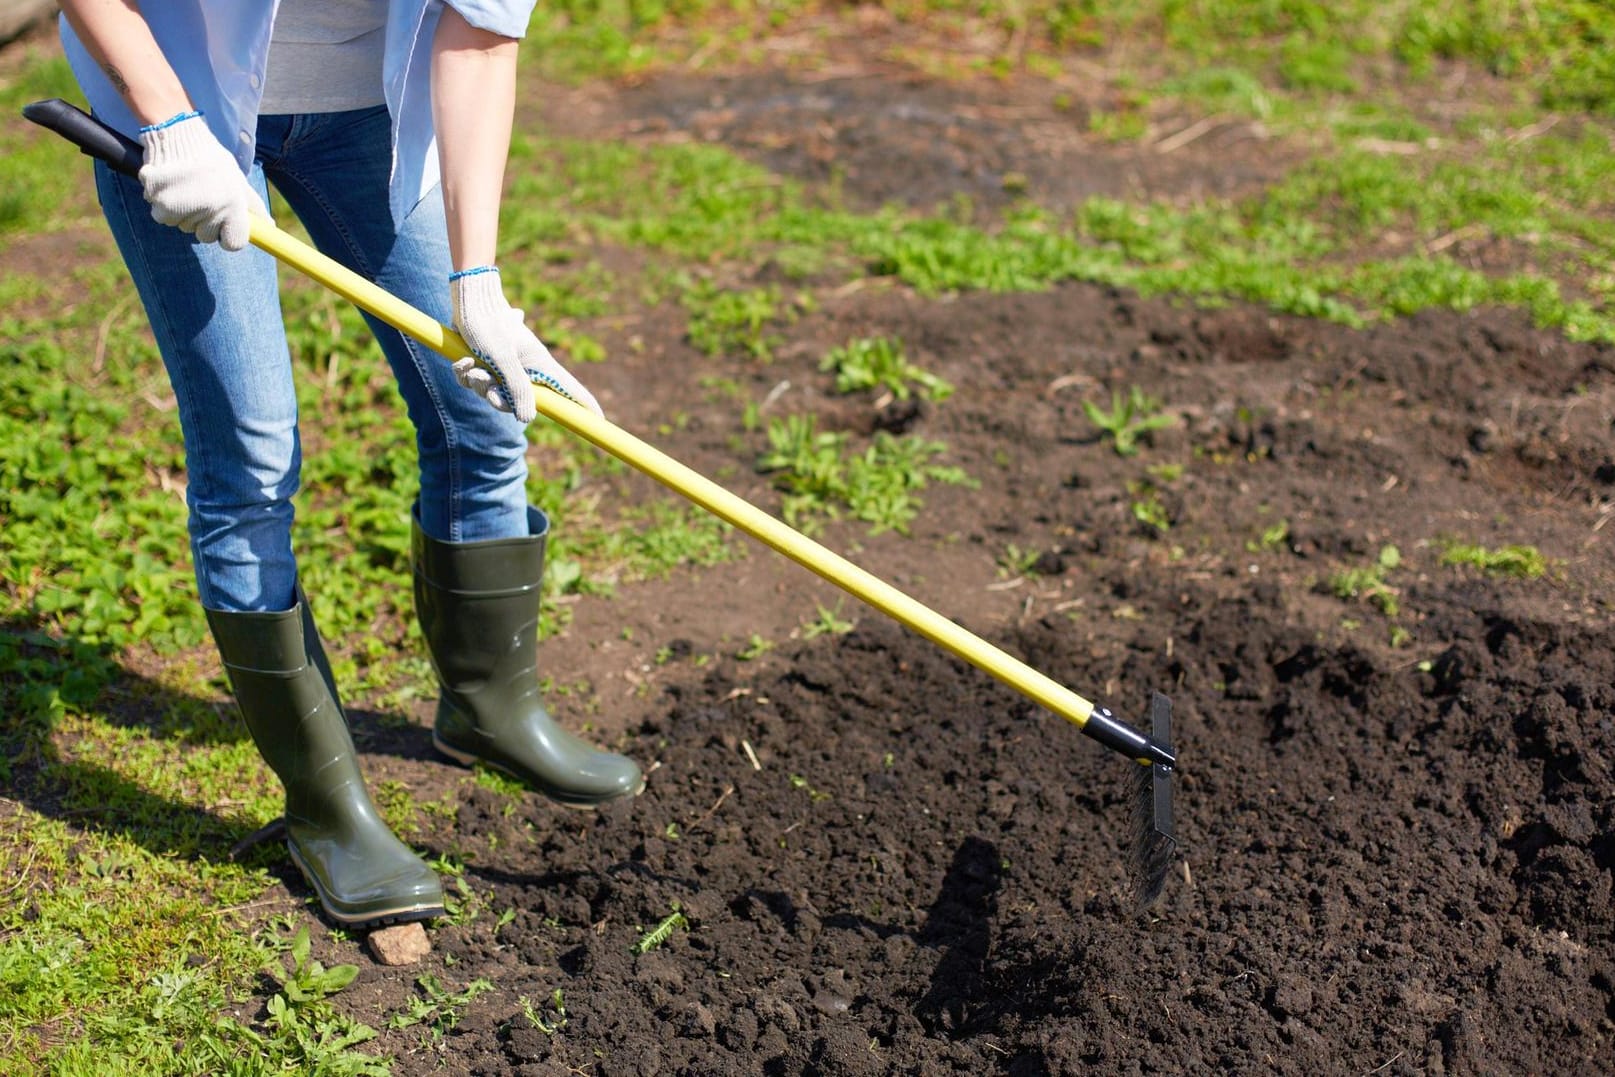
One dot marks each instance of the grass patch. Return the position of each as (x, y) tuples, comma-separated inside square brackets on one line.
[(95, 982), (1518, 562), (655, 538), (880, 363), (879, 486), (656, 936), (1369, 583), (1560, 52), (725, 322), (41, 181), (1309, 245), (319, 1039), (1130, 418)]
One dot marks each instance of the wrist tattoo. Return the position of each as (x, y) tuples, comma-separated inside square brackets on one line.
[(115, 76)]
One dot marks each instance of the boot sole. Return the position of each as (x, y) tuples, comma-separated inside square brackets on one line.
[(467, 759), (403, 914)]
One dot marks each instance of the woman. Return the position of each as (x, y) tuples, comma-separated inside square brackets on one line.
[(385, 125)]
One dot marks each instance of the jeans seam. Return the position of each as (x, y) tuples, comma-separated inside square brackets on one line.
[(451, 433), (337, 223), (451, 440)]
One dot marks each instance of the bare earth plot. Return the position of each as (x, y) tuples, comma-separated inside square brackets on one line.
[(1394, 855)]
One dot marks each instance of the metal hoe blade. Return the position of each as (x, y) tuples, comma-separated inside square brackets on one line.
[(1154, 845)]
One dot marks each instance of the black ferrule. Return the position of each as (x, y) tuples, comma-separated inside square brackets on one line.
[(1103, 727)]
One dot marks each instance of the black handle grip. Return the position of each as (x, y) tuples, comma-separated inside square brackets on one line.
[(90, 135)]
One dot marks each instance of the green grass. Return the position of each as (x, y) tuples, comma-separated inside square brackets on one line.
[(734, 322), (823, 475), (1130, 417), (1310, 245), (1370, 583), (1520, 562), (36, 181), (865, 363), (1559, 52), (93, 982)]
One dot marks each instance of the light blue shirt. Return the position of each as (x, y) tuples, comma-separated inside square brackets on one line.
[(220, 48)]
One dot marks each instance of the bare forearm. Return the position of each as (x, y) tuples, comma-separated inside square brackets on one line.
[(473, 103), (116, 34)]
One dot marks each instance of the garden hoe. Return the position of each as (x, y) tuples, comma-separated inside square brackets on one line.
[(1152, 754)]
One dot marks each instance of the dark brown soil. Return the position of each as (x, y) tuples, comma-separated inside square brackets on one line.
[(988, 144), (1398, 833), (1394, 857)]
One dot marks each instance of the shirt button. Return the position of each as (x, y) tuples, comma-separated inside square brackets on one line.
[(245, 138), (255, 80)]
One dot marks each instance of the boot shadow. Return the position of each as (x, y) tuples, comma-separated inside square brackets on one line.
[(964, 993), (394, 735), (959, 925), (44, 677)]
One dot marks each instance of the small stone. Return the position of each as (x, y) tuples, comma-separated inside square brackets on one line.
[(832, 994), (401, 944)]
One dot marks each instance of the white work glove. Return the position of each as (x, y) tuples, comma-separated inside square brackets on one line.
[(193, 182), (506, 357)]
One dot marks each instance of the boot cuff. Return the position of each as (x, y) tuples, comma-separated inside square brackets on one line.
[(266, 642), (489, 566)]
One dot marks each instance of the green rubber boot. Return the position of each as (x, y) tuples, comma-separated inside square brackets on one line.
[(478, 607), (363, 874)]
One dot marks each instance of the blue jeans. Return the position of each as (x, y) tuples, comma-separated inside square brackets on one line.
[(216, 317)]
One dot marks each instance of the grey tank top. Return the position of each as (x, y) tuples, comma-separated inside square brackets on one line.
[(325, 56)]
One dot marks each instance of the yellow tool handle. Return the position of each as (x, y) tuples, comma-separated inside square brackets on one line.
[(699, 489), (124, 155)]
